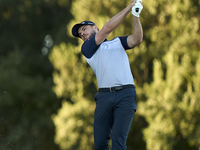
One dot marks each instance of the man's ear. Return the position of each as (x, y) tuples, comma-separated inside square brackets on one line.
[(96, 28)]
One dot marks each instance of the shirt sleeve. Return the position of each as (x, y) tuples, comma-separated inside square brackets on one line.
[(89, 47), (123, 40)]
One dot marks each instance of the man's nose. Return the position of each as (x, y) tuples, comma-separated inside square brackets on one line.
[(82, 33)]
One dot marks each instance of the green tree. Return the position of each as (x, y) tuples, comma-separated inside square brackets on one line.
[(173, 96), (26, 108), (28, 30), (73, 78)]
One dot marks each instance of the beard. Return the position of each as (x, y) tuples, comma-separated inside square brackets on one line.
[(93, 33)]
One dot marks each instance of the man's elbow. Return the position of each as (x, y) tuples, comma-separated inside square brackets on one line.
[(134, 40), (139, 40)]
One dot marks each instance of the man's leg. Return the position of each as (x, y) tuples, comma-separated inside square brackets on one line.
[(102, 120), (123, 114)]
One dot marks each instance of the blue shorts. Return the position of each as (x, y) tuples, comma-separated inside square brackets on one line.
[(113, 116)]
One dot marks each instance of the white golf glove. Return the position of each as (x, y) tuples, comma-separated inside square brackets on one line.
[(137, 8)]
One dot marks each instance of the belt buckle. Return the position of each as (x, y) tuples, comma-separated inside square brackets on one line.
[(117, 88), (111, 89)]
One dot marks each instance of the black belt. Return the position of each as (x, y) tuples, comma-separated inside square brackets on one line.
[(116, 88)]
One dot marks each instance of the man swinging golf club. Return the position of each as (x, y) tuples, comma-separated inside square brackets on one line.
[(116, 97)]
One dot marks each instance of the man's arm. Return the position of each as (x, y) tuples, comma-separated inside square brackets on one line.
[(113, 23), (137, 36)]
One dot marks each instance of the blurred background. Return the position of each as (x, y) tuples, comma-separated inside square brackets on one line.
[(47, 88)]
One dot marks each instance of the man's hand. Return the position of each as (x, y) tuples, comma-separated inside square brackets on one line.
[(132, 3), (137, 8)]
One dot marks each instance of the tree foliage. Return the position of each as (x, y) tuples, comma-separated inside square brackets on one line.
[(28, 30), (73, 78), (172, 102)]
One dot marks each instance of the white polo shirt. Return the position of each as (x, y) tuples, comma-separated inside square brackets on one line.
[(109, 61)]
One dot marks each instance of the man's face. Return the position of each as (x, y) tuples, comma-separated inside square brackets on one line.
[(87, 31)]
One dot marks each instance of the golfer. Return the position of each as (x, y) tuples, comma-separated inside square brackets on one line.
[(116, 97)]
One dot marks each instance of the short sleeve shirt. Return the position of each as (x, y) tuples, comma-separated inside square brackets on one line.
[(109, 61)]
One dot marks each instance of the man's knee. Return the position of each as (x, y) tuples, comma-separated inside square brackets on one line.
[(101, 144), (119, 141)]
